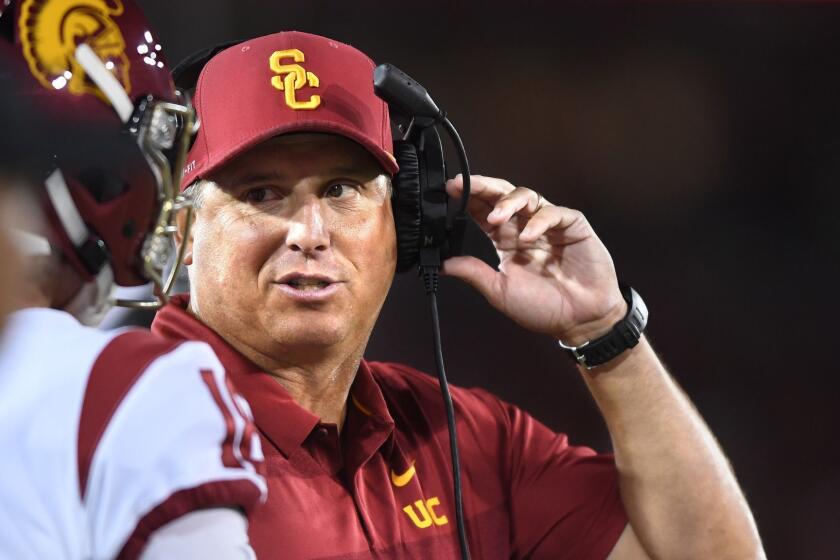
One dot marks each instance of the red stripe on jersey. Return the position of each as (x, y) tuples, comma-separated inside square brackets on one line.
[(223, 493), (116, 369), (228, 457)]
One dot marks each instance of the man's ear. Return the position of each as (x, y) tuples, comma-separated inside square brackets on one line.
[(184, 222)]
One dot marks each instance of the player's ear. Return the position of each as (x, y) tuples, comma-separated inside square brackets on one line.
[(183, 234)]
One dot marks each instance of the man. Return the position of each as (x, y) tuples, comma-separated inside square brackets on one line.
[(115, 444), (290, 258)]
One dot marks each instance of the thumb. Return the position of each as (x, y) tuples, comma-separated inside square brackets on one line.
[(476, 273)]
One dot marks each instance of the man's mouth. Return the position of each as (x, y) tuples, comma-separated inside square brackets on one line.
[(308, 284), (312, 284)]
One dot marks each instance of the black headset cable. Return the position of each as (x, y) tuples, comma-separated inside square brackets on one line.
[(430, 268)]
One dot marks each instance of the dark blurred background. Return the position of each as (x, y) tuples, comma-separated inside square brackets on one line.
[(703, 143)]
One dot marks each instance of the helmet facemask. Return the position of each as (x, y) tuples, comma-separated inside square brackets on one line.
[(163, 130)]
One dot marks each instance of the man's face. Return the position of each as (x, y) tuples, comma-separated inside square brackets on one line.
[(293, 247)]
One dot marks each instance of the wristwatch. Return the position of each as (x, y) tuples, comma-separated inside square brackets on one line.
[(624, 335)]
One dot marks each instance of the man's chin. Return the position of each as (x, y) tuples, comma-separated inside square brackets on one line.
[(311, 333)]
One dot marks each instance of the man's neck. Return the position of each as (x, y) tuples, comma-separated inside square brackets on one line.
[(321, 387)]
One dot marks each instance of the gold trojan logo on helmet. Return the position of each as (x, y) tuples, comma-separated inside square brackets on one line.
[(50, 31)]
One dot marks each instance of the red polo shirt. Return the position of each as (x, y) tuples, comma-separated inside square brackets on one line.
[(382, 488)]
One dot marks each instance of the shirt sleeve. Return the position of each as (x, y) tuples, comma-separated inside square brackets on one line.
[(564, 501), (176, 439), (218, 533)]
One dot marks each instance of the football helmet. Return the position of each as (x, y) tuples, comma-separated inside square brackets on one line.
[(111, 194)]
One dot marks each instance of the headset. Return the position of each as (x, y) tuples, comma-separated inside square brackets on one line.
[(428, 231), (425, 229)]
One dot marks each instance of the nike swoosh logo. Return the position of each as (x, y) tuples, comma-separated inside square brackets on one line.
[(401, 480)]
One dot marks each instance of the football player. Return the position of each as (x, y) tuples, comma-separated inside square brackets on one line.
[(116, 444)]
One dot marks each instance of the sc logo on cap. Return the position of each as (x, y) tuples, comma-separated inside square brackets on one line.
[(292, 77)]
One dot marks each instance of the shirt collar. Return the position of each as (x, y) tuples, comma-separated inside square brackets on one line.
[(285, 423), (366, 396)]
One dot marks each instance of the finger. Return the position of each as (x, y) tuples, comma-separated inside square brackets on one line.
[(488, 189), (477, 208), (556, 219), (455, 186), (522, 201), (489, 192), (474, 272)]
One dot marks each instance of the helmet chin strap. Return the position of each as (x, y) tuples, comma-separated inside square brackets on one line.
[(96, 297)]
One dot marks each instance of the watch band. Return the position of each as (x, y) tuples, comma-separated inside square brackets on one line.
[(624, 335)]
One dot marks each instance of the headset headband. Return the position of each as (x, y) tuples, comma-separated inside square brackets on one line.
[(186, 73)]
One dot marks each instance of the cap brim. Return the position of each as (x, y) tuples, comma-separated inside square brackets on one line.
[(385, 159)]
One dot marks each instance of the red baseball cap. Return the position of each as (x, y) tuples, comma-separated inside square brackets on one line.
[(281, 83)]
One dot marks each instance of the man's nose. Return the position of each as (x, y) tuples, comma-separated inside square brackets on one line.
[(307, 229)]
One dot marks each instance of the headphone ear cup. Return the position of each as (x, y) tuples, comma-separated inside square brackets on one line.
[(406, 205)]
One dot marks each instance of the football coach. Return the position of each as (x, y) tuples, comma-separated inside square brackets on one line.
[(290, 259)]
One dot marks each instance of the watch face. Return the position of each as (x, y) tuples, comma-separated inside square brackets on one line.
[(639, 305)]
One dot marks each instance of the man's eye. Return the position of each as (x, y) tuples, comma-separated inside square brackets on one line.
[(339, 190), (258, 194)]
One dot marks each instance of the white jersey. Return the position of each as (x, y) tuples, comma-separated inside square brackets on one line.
[(108, 436)]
